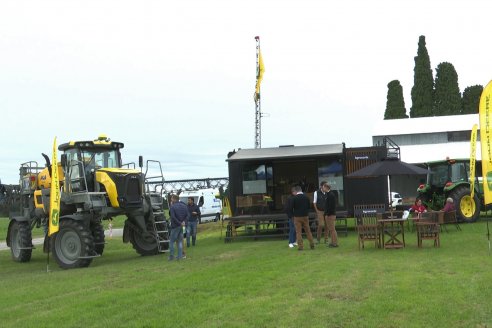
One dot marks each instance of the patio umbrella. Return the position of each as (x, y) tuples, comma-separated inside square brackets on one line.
[(388, 167)]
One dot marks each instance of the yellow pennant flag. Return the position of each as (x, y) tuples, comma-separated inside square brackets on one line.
[(54, 218), (485, 114), (259, 75), (473, 155)]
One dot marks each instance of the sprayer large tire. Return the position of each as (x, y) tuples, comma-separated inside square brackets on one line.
[(20, 241), (144, 244), (458, 194), (97, 231), (72, 245)]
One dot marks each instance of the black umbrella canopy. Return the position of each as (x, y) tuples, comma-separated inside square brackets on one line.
[(388, 167)]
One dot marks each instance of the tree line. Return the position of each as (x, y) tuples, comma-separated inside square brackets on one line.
[(431, 97)]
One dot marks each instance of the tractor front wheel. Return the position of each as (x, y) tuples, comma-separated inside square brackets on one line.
[(144, 243), (20, 241), (467, 208), (73, 245)]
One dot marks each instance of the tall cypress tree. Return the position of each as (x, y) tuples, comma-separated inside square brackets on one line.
[(447, 96), (471, 99), (423, 83), (395, 104)]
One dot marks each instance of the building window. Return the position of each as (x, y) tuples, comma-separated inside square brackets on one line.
[(254, 179), (331, 171)]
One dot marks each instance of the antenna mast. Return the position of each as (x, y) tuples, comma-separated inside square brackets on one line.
[(259, 76)]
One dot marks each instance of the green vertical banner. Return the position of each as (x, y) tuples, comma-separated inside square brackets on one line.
[(54, 218), (485, 113)]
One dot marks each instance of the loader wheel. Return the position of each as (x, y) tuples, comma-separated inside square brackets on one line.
[(97, 231), (467, 208), (20, 241), (145, 244), (73, 245)]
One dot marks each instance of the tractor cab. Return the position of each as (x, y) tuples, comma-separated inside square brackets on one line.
[(82, 159), (451, 178), (95, 166)]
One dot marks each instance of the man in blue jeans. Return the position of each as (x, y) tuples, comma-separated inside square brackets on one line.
[(179, 217), (194, 212)]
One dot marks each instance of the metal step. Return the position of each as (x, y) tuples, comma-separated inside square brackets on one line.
[(89, 256), (160, 222)]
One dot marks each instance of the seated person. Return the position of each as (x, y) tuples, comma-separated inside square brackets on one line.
[(418, 207), (449, 206)]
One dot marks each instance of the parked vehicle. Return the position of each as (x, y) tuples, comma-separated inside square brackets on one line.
[(450, 178), (208, 200), (95, 187), (395, 199)]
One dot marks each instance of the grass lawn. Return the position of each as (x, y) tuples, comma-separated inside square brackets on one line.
[(259, 284)]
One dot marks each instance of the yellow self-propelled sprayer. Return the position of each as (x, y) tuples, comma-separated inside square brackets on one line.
[(95, 186)]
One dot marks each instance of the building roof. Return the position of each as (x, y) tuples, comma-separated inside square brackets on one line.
[(436, 152), (286, 152), (425, 125)]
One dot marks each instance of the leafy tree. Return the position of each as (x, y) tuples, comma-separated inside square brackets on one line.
[(447, 96), (423, 83), (395, 104), (471, 99)]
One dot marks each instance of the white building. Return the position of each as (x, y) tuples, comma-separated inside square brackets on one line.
[(427, 139)]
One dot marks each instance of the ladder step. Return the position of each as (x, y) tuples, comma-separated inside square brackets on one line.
[(163, 241), (160, 222), (89, 256), (162, 231)]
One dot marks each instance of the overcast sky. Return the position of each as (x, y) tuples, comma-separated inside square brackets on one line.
[(174, 80)]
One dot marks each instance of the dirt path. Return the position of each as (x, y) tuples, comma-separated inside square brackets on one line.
[(39, 241)]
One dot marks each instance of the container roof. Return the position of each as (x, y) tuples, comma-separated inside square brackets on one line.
[(282, 152)]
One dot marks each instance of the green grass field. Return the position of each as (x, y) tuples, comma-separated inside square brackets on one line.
[(259, 284)]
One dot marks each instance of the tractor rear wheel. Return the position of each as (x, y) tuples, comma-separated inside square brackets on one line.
[(97, 231), (20, 241), (467, 208), (73, 245), (144, 243)]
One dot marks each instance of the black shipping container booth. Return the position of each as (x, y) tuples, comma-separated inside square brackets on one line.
[(260, 180)]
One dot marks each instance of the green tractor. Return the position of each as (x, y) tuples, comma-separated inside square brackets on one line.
[(450, 178)]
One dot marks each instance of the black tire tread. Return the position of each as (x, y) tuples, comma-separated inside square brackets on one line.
[(459, 193), (86, 240), (25, 240)]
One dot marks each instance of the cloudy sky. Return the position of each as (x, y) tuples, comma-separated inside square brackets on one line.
[(174, 80)]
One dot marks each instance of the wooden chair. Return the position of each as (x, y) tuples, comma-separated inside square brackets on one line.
[(428, 229), (368, 228), (450, 218), (367, 225)]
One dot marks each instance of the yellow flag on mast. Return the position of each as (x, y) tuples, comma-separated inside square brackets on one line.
[(259, 76), (54, 217), (485, 114)]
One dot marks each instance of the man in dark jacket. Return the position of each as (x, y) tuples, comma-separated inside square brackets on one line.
[(179, 217), (330, 214), (319, 202), (292, 227), (194, 212), (300, 209)]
